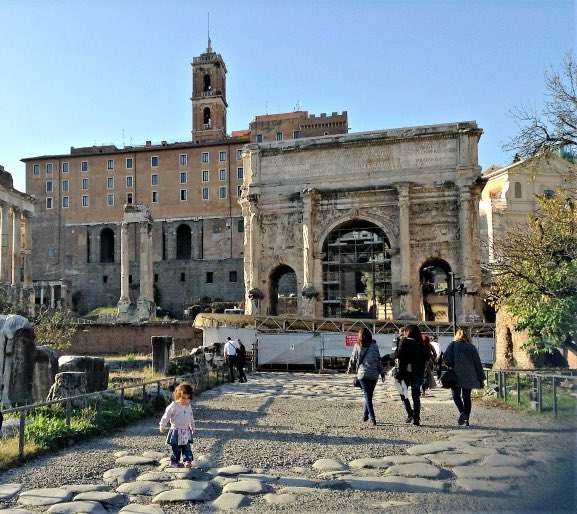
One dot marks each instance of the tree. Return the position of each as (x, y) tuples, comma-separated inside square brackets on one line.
[(554, 127), (535, 273)]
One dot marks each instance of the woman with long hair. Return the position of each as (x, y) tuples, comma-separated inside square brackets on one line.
[(366, 360), (412, 358), (463, 357)]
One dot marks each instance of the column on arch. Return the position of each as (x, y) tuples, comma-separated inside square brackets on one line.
[(404, 288)]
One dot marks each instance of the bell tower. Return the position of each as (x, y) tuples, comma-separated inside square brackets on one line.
[(208, 96)]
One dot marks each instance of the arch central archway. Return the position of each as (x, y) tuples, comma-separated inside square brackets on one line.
[(357, 272)]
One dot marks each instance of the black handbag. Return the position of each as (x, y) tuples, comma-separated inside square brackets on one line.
[(356, 381), (449, 378)]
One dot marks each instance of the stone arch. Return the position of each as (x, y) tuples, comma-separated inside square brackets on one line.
[(434, 282), (518, 190), (283, 290), (183, 242), (388, 230), (107, 245), (356, 271), (206, 116)]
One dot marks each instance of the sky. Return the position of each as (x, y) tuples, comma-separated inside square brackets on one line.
[(89, 72)]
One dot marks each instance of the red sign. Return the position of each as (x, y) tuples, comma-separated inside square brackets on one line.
[(350, 340)]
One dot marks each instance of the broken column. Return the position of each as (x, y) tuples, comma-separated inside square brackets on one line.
[(160, 353)]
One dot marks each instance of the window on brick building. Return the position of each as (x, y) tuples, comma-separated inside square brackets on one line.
[(222, 192), (85, 201), (110, 200), (85, 184), (49, 203), (183, 177), (48, 168), (129, 163), (49, 186), (205, 175), (84, 166), (204, 157), (110, 182), (183, 195), (209, 277), (279, 136), (154, 179), (232, 276), (65, 202), (205, 193), (222, 175), (36, 169), (183, 159), (65, 167), (110, 164), (154, 161), (240, 173), (259, 138), (130, 181), (155, 197)]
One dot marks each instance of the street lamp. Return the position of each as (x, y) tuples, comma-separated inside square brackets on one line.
[(452, 293)]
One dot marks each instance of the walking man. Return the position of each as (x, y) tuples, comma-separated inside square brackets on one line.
[(230, 351)]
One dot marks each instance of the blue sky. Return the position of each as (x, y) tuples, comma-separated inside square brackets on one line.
[(80, 72)]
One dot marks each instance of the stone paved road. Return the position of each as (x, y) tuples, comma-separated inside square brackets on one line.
[(288, 442)]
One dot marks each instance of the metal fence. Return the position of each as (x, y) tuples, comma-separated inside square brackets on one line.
[(542, 389), (200, 381)]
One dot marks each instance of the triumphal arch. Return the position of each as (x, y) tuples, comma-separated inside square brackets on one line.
[(388, 219)]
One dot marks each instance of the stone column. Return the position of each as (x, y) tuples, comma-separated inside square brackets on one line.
[(28, 289), (52, 297), (144, 304), (16, 247), (5, 275), (253, 294), (308, 293), (468, 228), (124, 301), (160, 353), (404, 287)]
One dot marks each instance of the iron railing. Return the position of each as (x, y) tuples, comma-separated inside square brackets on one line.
[(200, 382)]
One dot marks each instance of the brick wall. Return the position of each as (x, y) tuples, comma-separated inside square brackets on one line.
[(122, 339)]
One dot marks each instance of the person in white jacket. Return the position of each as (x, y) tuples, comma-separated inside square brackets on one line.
[(178, 421)]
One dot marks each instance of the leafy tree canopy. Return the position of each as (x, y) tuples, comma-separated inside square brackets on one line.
[(535, 273)]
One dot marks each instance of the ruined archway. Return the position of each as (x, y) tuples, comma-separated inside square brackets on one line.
[(183, 242), (283, 291), (435, 284), (107, 245), (357, 271)]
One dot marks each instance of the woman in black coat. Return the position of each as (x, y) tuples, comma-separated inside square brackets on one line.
[(412, 358), (463, 357)]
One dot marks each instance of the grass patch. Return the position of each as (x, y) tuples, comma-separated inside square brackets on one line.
[(101, 311)]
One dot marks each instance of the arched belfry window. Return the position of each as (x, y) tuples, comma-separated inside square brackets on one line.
[(107, 245), (183, 242), (518, 190), (206, 116), (206, 81)]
